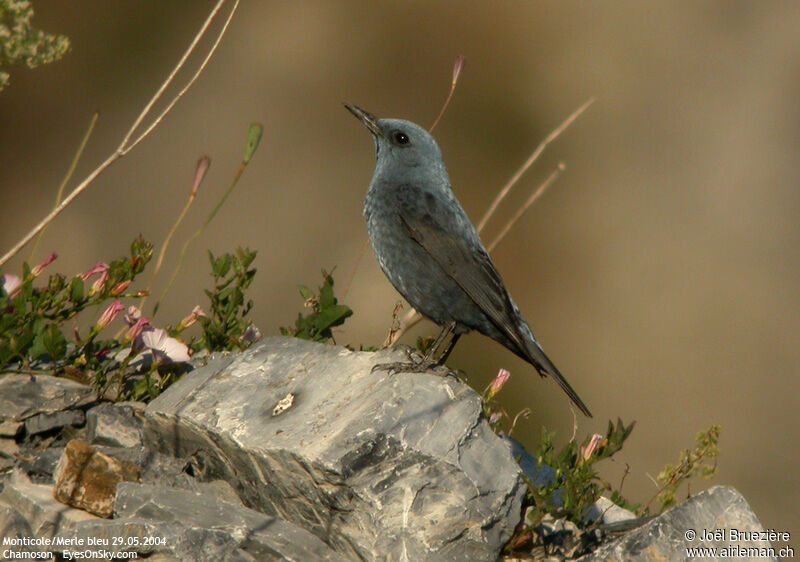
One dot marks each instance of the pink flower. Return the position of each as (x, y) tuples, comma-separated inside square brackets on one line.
[(11, 284), (97, 286), (132, 315), (120, 288), (156, 340), (497, 384), (108, 315), (137, 323), (494, 418), (37, 269), (591, 446), (163, 347), (196, 313)]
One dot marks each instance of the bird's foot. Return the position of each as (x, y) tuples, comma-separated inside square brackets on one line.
[(417, 363), (406, 367)]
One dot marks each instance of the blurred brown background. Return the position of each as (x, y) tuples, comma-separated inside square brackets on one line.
[(660, 272)]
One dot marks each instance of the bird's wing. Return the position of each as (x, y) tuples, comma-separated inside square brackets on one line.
[(465, 260)]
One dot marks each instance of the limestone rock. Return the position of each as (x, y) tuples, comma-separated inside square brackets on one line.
[(379, 466), (665, 537), (114, 425), (8, 448), (191, 526), (47, 421), (10, 428), (35, 503), (13, 525), (88, 479), (608, 512), (24, 396)]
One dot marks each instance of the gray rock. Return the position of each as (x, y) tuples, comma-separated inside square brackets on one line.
[(665, 537), (379, 466), (40, 465), (218, 490), (162, 557), (45, 516), (608, 512), (6, 463), (10, 428), (189, 526), (13, 525), (24, 396), (8, 448), (47, 421), (230, 526), (114, 425)]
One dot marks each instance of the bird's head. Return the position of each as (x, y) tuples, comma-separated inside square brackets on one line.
[(399, 143)]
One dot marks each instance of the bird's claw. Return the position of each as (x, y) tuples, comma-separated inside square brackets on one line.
[(405, 367)]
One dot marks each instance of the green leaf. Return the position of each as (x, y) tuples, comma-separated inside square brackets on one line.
[(305, 292), (76, 290), (332, 316), (54, 342), (253, 138)]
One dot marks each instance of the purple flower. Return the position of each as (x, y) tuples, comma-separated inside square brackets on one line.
[(252, 334)]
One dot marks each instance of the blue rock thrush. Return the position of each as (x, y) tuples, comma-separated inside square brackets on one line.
[(431, 252)]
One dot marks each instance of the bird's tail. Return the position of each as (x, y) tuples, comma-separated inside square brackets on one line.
[(537, 356)]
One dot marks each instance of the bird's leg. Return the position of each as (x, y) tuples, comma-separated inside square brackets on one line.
[(428, 361), (443, 357), (440, 339)]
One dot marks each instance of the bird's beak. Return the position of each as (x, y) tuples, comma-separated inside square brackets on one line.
[(367, 118)]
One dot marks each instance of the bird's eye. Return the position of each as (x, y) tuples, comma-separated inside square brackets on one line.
[(400, 138)]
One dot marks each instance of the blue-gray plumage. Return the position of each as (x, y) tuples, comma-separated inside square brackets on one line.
[(431, 252)]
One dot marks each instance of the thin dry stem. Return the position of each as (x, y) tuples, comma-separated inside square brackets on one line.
[(68, 176), (529, 162), (124, 147), (457, 68), (531, 200), (200, 69), (355, 267), (198, 232), (200, 173)]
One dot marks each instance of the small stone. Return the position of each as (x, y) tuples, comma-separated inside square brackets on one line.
[(45, 422), (88, 480), (10, 428), (114, 425)]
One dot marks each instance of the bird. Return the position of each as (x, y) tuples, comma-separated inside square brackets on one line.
[(431, 252)]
